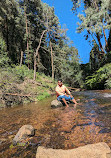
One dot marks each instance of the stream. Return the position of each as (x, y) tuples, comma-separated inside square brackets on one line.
[(60, 128)]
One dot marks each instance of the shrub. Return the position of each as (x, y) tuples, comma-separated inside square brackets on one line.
[(100, 79), (22, 72), (4, 59), (43, 95)]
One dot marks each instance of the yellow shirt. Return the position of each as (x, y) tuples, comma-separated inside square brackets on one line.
[(61, 90)]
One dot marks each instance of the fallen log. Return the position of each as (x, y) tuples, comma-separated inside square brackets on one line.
[(72, 88), (76, 89), (28, 95)]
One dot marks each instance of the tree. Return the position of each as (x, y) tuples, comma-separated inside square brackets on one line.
[(9, 12), (71, 72), (50, 22), (95, 20), (4, 59)]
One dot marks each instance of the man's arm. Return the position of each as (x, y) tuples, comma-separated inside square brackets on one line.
[(67, 91)]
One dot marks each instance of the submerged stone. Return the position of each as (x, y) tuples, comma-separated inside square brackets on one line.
[(23, 133)]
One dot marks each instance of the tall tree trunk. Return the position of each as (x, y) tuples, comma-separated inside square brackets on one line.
[(7, 33), (38, 57), (35, 66), (109, 41), (52, 61), (98, 38), (21, 59), (27, 37), (105, 40), (36, 53), (40, 42)]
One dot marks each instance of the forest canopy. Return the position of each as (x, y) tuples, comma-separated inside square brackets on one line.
[(31, 35)]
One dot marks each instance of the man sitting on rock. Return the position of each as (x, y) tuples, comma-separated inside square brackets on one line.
[(63, 94)]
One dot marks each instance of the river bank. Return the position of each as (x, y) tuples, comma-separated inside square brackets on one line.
[(18, 87)]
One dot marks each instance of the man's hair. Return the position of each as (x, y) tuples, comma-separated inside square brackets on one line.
[(60, 80)]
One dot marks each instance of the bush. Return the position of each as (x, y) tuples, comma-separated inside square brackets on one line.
[(43, 96), (100, 79), (22, 72), (4, 59), (108, 84)]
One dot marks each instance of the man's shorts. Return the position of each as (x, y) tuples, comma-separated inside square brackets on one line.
[(68, 98)]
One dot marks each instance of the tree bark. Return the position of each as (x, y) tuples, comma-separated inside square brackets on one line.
[(7, 33), (27, 37), (36, 54), (35, 64), (21, 59), (40, 42), (52, 61), (98, 38), (105, 39)]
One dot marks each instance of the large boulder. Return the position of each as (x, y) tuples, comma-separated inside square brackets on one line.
[(24, 132), (99, 150), (56, 103)]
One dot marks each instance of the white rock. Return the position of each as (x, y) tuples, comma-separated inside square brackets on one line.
[(99, 150), (23, 133), (56, 103)]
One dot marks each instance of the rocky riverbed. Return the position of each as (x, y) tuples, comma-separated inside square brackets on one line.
[(59, 128)]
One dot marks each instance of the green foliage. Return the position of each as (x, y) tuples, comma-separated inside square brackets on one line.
[(100, 79), (22, 71), (14, 75), (70, 68), (43, 95), (4, 59), (95, 21), (22, 23), (108, 83)]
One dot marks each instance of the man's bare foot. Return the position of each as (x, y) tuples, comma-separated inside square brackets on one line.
[(75, 105)]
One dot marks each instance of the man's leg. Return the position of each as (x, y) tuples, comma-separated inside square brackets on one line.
[(63, 99), (73, 100)]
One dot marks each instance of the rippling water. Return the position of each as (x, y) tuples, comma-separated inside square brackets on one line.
[(61, 128)]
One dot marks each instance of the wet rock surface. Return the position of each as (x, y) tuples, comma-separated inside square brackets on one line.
[(56, 103), (99, 150), (23, 133)]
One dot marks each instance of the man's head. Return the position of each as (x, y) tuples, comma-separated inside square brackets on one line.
[(60, 82)]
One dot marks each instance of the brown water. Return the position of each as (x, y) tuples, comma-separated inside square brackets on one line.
[(61, 128)]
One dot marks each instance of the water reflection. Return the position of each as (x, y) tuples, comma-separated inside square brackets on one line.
[(64, 128)]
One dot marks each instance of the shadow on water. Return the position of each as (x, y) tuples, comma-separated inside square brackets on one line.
[(61, 128)]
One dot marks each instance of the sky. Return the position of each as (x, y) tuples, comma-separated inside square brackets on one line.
[(67, 17)]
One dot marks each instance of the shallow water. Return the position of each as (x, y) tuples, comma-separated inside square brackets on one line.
[(61, 128)]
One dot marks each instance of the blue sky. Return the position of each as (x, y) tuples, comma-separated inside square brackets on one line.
[(65, 15)]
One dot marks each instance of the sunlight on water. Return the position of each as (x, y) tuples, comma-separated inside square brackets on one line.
[(61, 128), (107, 95)]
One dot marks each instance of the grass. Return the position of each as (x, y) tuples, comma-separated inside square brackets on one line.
[(20, 80), (43, 96)]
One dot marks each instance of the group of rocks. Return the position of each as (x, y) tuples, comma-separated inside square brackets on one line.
[(98, 150)]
